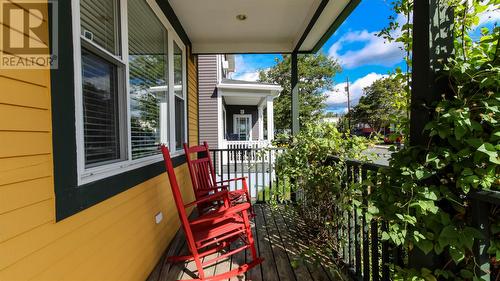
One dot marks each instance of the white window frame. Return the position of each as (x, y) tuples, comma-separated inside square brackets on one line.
[(171, 92), (249, 116), (87, 175), (224, 123)]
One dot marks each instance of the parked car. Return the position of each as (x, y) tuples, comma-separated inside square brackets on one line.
[(393, 138)]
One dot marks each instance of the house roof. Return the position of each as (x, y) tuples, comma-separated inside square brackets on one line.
[(259, 26)]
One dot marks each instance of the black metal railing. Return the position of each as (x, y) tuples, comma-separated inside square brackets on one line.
[(367, 257), (258, 165), (362, 251)]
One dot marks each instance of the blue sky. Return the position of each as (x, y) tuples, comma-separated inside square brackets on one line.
[(363, 56)]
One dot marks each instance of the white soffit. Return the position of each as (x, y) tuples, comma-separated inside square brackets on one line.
[(271, 26), (230, 100), (330, 14)]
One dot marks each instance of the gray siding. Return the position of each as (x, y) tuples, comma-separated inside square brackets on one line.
[(207, 99)]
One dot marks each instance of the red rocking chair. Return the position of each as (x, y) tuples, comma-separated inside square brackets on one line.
[(204, 181), (213, 232)]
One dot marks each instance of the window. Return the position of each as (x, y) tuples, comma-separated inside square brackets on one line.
[(127, 106), (148, 80), (100, 110), (180, 133), (99, 20), (102, 71)]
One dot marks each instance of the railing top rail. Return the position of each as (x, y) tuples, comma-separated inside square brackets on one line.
[(366, 165), (246, 149), (490, 196), (362, 164)]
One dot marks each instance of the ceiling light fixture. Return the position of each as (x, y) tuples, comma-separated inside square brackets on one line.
[(241, 17)]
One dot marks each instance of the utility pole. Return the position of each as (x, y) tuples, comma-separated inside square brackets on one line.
[(348, 104)]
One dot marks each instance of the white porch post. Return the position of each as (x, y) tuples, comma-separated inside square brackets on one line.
[(220, 123), (261, 122), (270, 118)]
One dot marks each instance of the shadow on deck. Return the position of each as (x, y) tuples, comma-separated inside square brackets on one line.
[(280, 240)]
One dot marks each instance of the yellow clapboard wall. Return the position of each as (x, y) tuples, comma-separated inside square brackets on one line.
[(116, 239)]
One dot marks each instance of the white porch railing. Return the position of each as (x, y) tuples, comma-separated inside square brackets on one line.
[(246, 156)]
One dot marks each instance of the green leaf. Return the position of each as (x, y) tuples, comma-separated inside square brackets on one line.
[(489, 149), (460, 132), (457, 254), (425, 245), (466, 273)]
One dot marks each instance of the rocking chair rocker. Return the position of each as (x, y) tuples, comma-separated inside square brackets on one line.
[(204, 181), (213, 232)]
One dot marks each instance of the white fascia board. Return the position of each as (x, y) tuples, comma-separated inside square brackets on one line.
[(275, 89)]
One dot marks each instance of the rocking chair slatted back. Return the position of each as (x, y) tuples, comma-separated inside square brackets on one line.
[(201, 169)]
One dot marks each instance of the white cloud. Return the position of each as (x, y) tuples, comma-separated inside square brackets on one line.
[(246, 76), (491, 15), (244, 71), (339, 97), (375, 50)]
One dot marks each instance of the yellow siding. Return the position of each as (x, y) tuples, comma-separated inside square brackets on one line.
[(114, 240), (193, 100)]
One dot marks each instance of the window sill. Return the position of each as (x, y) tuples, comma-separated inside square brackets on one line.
[(101, 172)]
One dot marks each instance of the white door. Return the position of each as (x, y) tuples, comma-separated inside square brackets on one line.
[(242, 125)]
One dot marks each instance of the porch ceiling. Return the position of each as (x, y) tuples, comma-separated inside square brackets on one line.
[(271, 26), (231, 100)]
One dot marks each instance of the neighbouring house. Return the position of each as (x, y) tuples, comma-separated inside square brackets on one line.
[(233, 113)]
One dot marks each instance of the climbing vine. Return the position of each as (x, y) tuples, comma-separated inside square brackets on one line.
[(426, 194), (426, 197)]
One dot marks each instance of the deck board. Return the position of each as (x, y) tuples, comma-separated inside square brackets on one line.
[(279, 240), (291, 246)]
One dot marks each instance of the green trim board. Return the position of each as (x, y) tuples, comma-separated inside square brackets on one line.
[(336, 24), (174, 20), (312, 22), (71, 198)]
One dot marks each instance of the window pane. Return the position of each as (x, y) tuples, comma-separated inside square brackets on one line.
[(178, 70), (179, 123), (99, 19), (148, 80), (179, 98), (100, 110)]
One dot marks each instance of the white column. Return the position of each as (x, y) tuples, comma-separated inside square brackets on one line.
[(261, 122), (270, 118), (220, 122)]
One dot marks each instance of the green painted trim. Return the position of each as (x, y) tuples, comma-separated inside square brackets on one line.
[(82, 197), (312, 22), (336, 24), (174, 20), (71, 198)]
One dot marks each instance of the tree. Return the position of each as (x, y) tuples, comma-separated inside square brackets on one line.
[(383, 103), (315, 76)]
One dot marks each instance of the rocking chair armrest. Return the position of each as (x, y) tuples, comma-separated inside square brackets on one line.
[(223, 187), (211, 197), (218, 215), (235, 179)]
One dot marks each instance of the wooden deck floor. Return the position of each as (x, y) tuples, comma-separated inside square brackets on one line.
[(280, 241)]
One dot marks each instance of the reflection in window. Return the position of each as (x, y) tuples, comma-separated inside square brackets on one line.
[(180, 136), (148, 69), (100, 110), (99, 20)]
